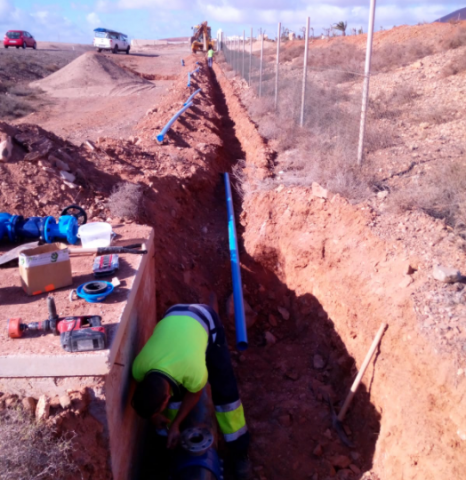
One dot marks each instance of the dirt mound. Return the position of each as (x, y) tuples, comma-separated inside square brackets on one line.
[(92, 75)]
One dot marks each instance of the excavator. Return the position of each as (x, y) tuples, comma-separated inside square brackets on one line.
[(201, 41)]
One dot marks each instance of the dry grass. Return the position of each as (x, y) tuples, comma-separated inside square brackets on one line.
[(16, 100), (30, 450), (125, 200)]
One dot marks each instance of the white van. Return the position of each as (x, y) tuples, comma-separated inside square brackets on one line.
[(109, 40)]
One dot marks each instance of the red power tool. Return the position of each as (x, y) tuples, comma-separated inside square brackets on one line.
[(77, 334)]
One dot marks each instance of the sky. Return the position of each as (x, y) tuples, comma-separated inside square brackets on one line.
[(74, 21)]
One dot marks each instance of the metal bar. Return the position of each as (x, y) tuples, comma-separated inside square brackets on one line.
[(277, 63), (250, 58), (165, 129), (306, 49), (244, 49), (365, 90), (192, 96), (261, 63), (240, 318)]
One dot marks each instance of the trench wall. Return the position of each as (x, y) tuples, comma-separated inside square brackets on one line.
[(324, 247)]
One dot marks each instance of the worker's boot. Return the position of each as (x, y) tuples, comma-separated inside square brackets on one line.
[(242, 466)]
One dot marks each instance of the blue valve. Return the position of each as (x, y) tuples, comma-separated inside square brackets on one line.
[(18, 228)]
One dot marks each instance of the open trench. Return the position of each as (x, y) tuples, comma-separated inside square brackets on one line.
[(285, 382)]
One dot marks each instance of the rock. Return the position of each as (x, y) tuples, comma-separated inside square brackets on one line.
[(270, 338), (406, 282), (355, 455), (344, 474), (318, 451), (330, 469), (284, 313), (43, 408), (65, 155), (340, 461), (273, 320), (69, 177), (81, 400), (383, 194), (285, 420), (10, 400), (48, 169), (319, 191), (251, 315), (318, 362), (70, 185), (65, 401), (33, 157), (445, 274), (328, 433), (6, 147), (424, 125), (292, 375), (355, 469), (59, 163), (29, 405)]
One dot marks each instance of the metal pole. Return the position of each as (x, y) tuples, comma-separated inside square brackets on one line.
[(306, 48), (260, 68), (365, 91), (277, 63), (244, 48), (250, 58)]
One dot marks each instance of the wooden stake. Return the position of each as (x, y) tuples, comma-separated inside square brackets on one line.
[(364, 366)]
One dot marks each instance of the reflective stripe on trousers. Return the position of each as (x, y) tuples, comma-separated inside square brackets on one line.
[(230, 418)]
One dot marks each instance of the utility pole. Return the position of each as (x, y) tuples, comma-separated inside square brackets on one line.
[(367, 73), (277, 63), (306, 49)]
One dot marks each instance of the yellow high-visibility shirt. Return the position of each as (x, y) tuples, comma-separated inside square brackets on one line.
[(210, 53), (177, 348)]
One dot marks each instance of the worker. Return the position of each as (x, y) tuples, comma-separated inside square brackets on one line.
[(188, 346), (210, 56)]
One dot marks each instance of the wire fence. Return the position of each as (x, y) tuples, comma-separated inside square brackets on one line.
[(317, 114)]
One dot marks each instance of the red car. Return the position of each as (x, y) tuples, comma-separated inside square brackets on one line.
[(19, 38)]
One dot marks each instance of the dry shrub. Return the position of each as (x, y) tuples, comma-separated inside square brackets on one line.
[(125, 200), (433, 114), (290, 53), (13, 107), (30, 450), (455, 39), (391, 56), (454, 67), (441, 194)]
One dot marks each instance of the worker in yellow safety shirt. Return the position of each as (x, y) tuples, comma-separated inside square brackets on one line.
[(188, 348), (210, 56)]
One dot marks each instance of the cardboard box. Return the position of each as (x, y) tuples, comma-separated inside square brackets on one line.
[(45, 268)]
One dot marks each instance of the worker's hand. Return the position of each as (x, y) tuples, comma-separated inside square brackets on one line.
[(160, 421), (173, 435)]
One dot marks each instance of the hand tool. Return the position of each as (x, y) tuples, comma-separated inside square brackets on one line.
[(77, 334), (10, 259)]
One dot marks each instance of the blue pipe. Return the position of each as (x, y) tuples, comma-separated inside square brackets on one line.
[(165, 129), (192, 96), (240, 318), (189, 79)]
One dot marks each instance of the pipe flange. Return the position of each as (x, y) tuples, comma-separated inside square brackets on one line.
[(197, 440)]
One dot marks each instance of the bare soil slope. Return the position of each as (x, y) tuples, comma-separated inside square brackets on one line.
[(92, 75)]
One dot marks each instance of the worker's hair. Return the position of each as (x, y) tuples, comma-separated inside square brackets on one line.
[(149, 395)]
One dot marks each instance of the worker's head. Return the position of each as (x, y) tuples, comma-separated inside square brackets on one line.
[(151, 395)]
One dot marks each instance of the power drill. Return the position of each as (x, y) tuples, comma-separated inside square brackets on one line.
[(77, 334)]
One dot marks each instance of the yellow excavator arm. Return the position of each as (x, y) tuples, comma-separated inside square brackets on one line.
[(202, 38)]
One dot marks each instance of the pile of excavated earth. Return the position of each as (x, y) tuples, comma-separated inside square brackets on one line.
[(320, 275)]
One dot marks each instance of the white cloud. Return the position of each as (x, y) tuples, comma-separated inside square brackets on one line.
[(93, 19)]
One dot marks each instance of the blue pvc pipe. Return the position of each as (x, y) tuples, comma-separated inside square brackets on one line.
[(189, 79), (192, 96), (165, 129), (240, 317)]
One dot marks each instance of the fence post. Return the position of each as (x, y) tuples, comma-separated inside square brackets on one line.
[(365, 90), (262, 58), (306, 48), (277, 62), (244, 48), (250, 58)]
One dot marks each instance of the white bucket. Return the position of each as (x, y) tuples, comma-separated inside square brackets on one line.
[(95, 234)]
